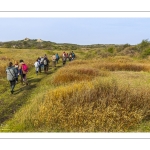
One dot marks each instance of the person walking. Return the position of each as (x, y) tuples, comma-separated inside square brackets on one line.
[(42, 63), (64, 58), (36, 64), (17, 66), (67, 56), (45, 64), (73, 55), (54, 60), (57, 58), (11, 76), (23, 70), (70, 57), (39, 60)]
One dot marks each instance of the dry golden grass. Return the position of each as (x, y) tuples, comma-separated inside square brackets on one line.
[(77, 71), (124, 66), (115, 64), (101, 105)]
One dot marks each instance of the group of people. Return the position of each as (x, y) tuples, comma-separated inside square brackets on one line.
[(14, 71), (42, 63), (66, 56)]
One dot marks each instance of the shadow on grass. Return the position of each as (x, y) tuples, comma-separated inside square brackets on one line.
[(26, 87), (10, 108), (34, 80), (21, 96)]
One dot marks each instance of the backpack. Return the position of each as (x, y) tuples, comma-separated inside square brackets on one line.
[(45, 62), (25, 67), (73, 55), (37, 64), (11, 74), (64, 58), (42, 61)]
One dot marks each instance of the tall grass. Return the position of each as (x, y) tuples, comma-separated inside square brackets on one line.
[(115, 65), (73, 72), (100, 105)]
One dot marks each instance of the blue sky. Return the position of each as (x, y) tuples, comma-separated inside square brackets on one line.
[(82, 31)]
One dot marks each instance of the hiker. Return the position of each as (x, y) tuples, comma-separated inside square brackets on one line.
[(11, 76), (64, 54), (23, 70), (17, 66), (70, 57), (67, 56), (57, 58), (45, 56), (73, 55), (47, 66), (46, 62), (39, 60), (64, 58), (54, 60), (42, 63), (36, 64)]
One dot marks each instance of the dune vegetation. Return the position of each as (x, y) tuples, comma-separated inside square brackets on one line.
[(89, 94)]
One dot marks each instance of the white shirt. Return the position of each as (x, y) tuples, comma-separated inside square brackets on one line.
[(36, 64)]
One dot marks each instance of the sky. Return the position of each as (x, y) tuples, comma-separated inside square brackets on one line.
[(76, 30)]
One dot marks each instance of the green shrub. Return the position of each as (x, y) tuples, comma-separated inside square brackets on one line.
[(145, 53)]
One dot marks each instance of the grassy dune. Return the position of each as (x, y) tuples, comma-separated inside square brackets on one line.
[(86, 95)]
